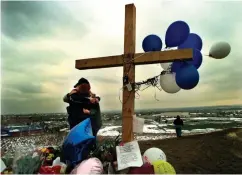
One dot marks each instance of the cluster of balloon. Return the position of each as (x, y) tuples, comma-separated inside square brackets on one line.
[(187, 76), (157, 158), (182, 74)]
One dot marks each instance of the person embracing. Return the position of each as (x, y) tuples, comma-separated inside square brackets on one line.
[(83, 104)]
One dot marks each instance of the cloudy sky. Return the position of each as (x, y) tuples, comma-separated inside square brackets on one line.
[(41, 40)]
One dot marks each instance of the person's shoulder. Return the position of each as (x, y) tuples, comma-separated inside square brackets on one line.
[(73, 91)]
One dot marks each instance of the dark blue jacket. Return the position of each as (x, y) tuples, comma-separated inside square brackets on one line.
[(78, 102)]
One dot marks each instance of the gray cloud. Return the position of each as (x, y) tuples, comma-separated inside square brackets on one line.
[(17, 60), (28, 79), (27, 19), (14, 106), (103, 79)]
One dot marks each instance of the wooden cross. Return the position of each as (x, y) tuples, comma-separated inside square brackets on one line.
[(129, 68)]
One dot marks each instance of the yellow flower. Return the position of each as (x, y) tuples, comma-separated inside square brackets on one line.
[(43, 150)]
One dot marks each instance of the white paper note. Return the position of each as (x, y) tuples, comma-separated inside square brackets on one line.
[(128, 155), (138, 124)]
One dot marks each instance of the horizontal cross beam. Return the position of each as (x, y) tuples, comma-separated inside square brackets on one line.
[(142, 58)]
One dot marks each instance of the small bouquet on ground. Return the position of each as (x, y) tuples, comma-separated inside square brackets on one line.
[(27, 165), (106, 151), (24, 161)]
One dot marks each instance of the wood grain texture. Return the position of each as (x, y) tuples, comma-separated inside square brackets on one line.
[(129, 70), (142, 59)]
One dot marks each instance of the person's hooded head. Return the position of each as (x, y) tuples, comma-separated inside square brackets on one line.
[(178, 117), (83, 86)]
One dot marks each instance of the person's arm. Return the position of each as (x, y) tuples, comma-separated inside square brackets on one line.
[(99, 98), (66, 98), (77, 98), (94, 96)]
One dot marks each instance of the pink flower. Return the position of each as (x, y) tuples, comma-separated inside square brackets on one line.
[(121, 144)]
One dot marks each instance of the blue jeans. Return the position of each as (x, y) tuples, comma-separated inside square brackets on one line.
[(178, 130)]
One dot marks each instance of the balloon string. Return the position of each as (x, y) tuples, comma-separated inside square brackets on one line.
[(155, 96)]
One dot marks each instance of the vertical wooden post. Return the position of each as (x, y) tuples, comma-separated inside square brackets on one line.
[(129, 70)]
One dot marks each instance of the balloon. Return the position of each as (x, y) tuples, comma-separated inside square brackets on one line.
[(152, 43), (168, 83), (196, 61), (176, 65), (197, 58), (165, 66), (3, 166), (153, 154), (220, 50), (146, 168), (77, 143), (187, 77), (176, 33), (163, 167), (193, 41), (89, 166), (80, 133)]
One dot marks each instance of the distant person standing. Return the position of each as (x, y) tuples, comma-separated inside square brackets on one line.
[(178, 122)]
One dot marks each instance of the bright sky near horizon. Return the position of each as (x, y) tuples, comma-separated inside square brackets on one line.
[(41, 41)]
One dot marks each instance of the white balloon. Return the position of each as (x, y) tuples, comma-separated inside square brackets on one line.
[(3, 166), (165, 65), (153, 154), (219, 50), (168, 83)]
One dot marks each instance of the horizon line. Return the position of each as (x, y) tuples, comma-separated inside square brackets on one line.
[(120, 110)]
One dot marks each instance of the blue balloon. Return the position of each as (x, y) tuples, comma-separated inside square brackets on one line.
[(176, 33), (193, 41), (176, 65), (196, 61), (152, 43), (197, 58), (80, 133), (187, 77), (77, 143)]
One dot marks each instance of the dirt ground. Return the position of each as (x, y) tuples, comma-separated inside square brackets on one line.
[(218, 152)]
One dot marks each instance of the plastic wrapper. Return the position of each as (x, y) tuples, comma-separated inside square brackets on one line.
[(27, 165), (24, 162)]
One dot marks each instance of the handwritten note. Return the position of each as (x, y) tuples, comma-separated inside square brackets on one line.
[(129, 155), (138, 124)]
